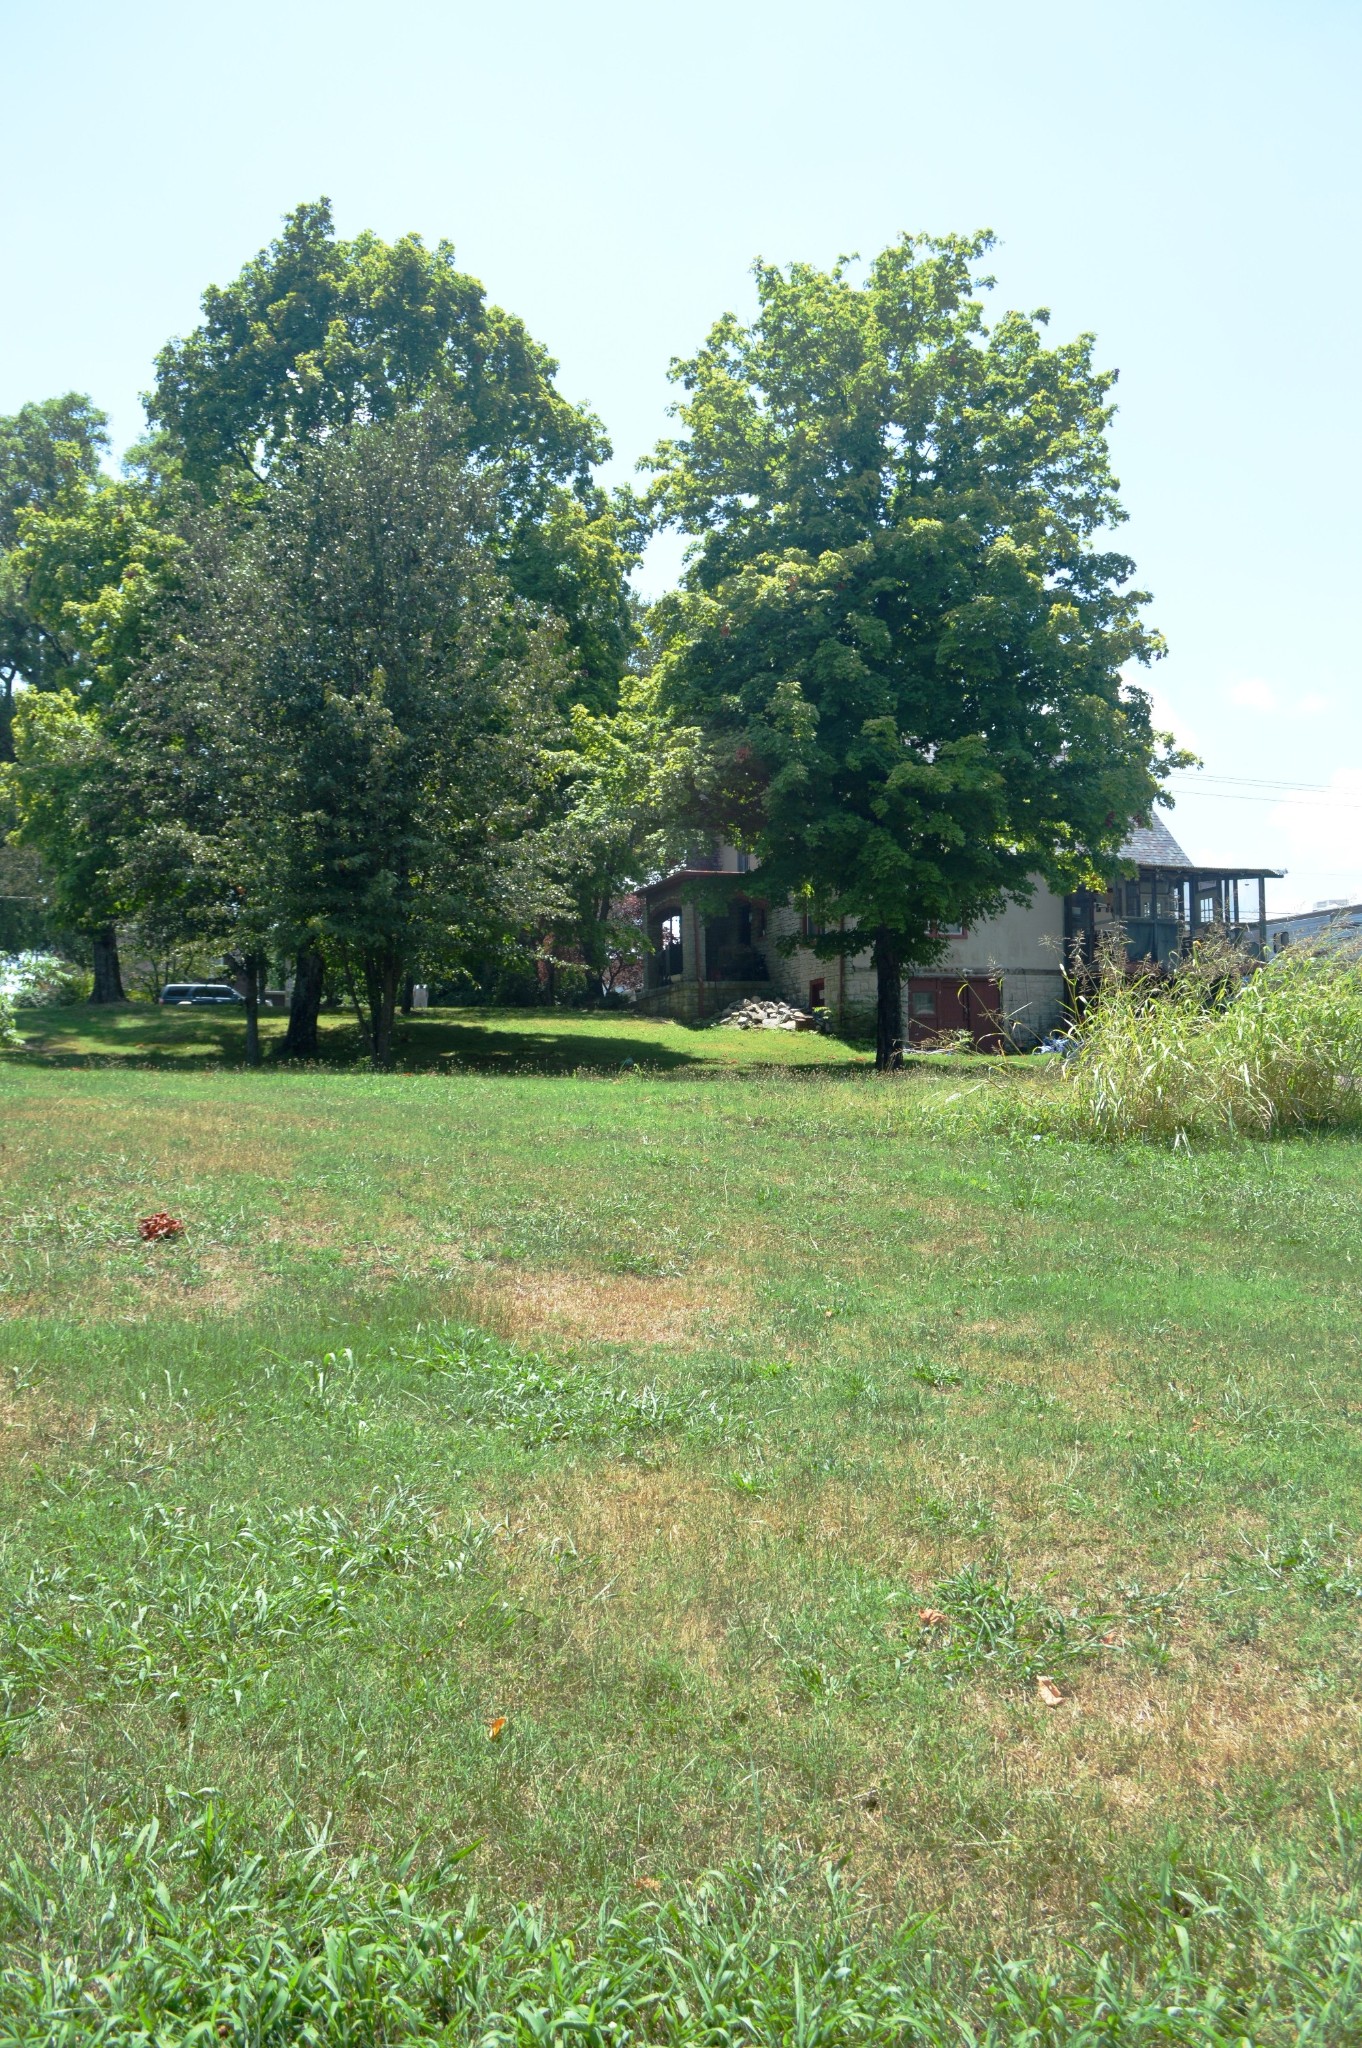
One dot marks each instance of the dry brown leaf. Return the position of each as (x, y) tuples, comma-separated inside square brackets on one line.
[(1049, 1692), (932, 1617)]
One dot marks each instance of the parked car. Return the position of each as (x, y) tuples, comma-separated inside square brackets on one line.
[(200, 995)]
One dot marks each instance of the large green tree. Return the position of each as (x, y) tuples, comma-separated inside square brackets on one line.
[(319, 333), (49, 457), (903, 632), (346, 731), (65, 806), (90, 560)]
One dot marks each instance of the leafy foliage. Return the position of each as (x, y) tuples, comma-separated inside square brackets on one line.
[(901, 635), (42, 978), (345, 725), (49, 457), (318, 334)]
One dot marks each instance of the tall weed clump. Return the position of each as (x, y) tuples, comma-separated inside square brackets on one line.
[(1219, 1047), (195, 1934)]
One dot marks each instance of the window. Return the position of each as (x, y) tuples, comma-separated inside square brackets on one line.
[(816, 995), (924, 1002), (950, 930), (669, 944)]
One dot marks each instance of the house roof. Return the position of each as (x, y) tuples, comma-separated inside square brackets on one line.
[(1153, 846)]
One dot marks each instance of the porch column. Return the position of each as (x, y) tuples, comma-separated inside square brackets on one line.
[(693, 953), (1262, 915)]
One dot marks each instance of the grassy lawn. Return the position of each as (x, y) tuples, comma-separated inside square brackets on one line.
[(448, 1041), (743, 1454)]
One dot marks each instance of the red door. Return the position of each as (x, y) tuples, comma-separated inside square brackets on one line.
[(940, 1003)]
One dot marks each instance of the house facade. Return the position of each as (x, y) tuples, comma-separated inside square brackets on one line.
[(715, 939)]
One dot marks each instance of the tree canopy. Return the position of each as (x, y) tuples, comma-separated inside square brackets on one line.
[(345, 727), (347, 658), (902, 633), (318, 333), (49, 457)]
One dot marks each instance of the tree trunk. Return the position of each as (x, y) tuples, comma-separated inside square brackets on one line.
[(408, 994), (253, 977), (300, 1040), (108, 986), (888, 1002), (382, 974), (366, 1041)]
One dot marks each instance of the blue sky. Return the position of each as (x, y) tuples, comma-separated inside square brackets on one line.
[(1181, 179)]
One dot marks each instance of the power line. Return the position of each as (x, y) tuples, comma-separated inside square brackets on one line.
[(1194, 775), (1317, 795)]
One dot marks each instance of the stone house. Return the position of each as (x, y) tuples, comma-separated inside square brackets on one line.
[(715, 938)]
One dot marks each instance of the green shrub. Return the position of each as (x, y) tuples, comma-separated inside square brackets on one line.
[(33, 980), (8, 1034), (1220, 1046)]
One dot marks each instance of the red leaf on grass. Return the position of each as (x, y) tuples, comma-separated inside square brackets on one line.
[(162, 1224)]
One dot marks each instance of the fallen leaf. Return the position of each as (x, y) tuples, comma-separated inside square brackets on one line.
[(647, 1884), (932, 1617), (162, 1224), (1049, 1692), (495, 1729)]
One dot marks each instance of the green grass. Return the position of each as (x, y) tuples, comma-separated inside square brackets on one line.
[(450, 1041), (649, 1410)]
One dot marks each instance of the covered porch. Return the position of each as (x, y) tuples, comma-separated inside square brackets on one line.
[(1168, 905), (702, 958)]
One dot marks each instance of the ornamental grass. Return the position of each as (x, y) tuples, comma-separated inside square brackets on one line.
[(1221, 1046)]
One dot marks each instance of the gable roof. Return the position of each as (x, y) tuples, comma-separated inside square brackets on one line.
[(1153, 846)]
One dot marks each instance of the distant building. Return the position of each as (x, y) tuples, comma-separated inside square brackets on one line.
[(1338, 923), (716, 939)]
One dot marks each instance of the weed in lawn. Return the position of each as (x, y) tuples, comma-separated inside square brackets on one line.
[(198, 1602), (1319, 1568), (938, 1377), (980, 1626), (215, 1935), (490, 1386)]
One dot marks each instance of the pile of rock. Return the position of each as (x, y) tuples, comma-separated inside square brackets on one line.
[(766, 1013)]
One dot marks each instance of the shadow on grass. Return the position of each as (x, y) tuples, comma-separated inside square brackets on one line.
[(474, 1042)]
